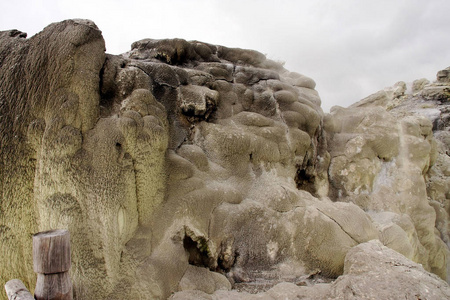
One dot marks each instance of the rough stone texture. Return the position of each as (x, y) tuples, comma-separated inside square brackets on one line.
[(281, 291), (371, 271), (198, 278), (397, 149), (184, 166)]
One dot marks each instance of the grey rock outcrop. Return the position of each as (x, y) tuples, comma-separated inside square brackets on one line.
[(182, 166), (389, 155), (372, 271)]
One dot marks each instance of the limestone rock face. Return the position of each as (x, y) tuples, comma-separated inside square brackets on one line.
[(372, 271), (185, 166), (390, 157)]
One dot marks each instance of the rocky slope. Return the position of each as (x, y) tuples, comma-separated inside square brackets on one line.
[(193, 168)]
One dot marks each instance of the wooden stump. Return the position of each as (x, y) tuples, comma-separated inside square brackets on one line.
[(51, 260), (16, 290)]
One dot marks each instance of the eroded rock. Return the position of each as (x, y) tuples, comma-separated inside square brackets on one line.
[(375, 271), (184, 166)]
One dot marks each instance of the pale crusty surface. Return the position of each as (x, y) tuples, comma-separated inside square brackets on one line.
[(183, 155)]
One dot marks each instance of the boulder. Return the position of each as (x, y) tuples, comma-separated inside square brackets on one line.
[(373, 271)]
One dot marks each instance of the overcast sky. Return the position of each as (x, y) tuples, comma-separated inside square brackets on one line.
[(351, 48)]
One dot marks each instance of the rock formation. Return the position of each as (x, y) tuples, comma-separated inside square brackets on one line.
[(189, 168), (371, 271)]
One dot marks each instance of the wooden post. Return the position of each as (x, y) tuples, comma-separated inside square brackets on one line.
[(16, 290), (51, 262)]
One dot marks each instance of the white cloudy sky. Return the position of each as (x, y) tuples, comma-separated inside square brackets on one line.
[(351, 48)]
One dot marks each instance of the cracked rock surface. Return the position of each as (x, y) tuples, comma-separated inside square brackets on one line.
[(372, 271), (205, 172)]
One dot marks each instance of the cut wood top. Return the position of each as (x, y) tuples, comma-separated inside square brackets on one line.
[(51, 251)]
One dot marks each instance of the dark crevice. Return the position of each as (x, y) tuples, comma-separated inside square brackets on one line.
[(198, 255), (107, 87), (305, 178)]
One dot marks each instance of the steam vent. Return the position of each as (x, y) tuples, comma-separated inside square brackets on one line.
[(186, 170)]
